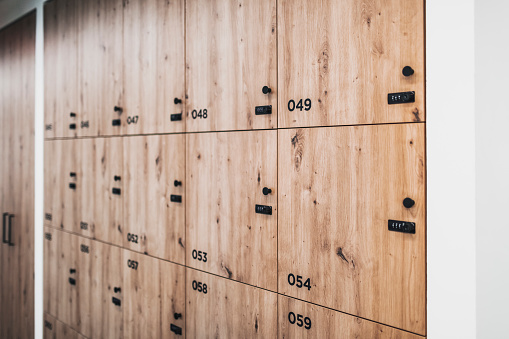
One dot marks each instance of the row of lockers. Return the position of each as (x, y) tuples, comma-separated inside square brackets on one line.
[(95, 290), (117, 67), (334, 216)]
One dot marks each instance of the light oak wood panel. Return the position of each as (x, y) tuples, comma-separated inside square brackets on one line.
[(99, 273), (226, 174), (101, 205), (154, 224), (60, 268), (54, 329), (100, 77), (66, 209), (153, 62), (51, 179), (347, 56), (325, 323), (230, 56), (338, 188), (229, 309), (155, 297), (60, 68)]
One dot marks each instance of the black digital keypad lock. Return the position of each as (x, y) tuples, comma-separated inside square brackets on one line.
[(262, 209), (261, 110), (400, 98), (401, 226)]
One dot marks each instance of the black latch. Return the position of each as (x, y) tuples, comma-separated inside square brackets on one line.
[(118, 109), (72, 126), (72, 114), (72, 185), (262, 209), (175, 198), (48, 216), (261, 110), (400, 98), (115, 122), (72, 271), (402, 226), (116, 289), (175, 329), (116, 301), (115, 191), (177, 316), (176, 117), (72, 174), (48, 325), (177, 101), (177, 183), (116, 178), (72, 281)]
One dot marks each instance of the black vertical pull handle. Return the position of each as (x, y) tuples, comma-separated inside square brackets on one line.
[(11, 216), (4, 235)]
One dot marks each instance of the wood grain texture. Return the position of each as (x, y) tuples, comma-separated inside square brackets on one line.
[(153, 65), (230, 56), (60, 68), (66, 209), (229, 309), (99, 272), (226, 173), (326, 323), (338, 188), (151, 165), (346, 56), (54, 329), (155, 298), (101, 211), (100, 67)]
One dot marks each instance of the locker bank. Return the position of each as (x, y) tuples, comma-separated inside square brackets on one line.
[(252, 169)]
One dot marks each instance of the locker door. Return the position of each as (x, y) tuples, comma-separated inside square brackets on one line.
[(299, 319), (100, 67), (155, 203), (221, 308), (339, 60), (69, 184), (154, 297), (230, 58), (54, 329), (340, 188), (101, 199), (227, 174), (100, 289), (60, 69), (60, 275), (153, 66), (51, 169)]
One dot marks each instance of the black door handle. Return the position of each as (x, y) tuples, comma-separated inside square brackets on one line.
[(10, 230), (4, 235)]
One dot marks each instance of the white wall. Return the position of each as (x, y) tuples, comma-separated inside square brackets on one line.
[(451, 169), (492, 167)]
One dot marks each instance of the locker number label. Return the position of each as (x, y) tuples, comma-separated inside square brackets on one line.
[(132, 264), (132, 120), (293, 105), (200, 287), (299, 320), (200, 256), (201, 114), (132, 238), (299, 281)]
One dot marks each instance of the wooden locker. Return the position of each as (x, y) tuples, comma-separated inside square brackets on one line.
[(220, 308), (339, 61), (154, 297), (340, 189), (54, 329), (299, 319), (101, 200), (230, 57), (51, 169), (69, 183), (60, 69), (227, 174), (153, 62), (100, 278), (61, 276), (100, 78), (154, 218)]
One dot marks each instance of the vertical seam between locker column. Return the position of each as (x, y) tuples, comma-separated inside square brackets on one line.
[(277, 171), (184, 119)]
